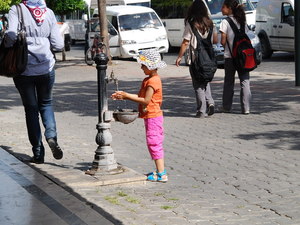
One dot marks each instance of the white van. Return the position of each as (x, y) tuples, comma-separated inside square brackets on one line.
[(215, 7), (146, 3), (275, 25), (132, 29)]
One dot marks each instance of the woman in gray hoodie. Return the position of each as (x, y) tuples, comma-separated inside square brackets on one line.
[(36, 82)]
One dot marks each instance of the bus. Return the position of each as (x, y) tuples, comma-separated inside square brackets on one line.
[(173, 16), (146, 3), (173, 19)]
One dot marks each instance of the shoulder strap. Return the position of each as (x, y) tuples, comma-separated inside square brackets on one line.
[(210, 33), (234, 27), (20, 17), (196, 33), (235, 31)]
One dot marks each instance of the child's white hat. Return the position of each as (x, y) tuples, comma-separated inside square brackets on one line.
[(151, 58)]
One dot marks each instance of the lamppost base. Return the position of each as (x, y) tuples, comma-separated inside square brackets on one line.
[(121, 175), (105, 170)]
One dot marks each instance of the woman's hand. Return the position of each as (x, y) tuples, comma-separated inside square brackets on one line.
[(178, 60), (184, 45), (119, 95)]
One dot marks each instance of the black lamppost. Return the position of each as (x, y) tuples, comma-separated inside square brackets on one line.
[(104, 161), (297, 44)]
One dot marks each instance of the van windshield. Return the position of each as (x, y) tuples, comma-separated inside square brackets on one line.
[(215, 6), (139, 21)]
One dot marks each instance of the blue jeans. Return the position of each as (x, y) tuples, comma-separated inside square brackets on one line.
[(36, 94)]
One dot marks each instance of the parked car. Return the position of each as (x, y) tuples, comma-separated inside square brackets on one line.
[(254, 3), (215, 7)]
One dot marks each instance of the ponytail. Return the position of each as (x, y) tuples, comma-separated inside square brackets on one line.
[(237, 11)]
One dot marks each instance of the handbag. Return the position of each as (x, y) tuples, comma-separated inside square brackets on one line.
[(13, 60)]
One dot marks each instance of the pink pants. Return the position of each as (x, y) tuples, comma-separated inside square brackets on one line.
[(155, 136)]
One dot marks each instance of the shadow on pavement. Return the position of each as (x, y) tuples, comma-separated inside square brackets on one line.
[(268, 95), (281, 137)]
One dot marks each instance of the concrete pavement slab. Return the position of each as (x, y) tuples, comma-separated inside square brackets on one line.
[(27, 197)]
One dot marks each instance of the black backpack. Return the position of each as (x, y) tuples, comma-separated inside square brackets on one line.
[(242, 53), (204, 65)]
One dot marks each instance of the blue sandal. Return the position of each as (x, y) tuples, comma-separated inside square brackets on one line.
[(158, 177)]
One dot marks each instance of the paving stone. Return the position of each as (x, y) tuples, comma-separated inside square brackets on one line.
[(227, 169)]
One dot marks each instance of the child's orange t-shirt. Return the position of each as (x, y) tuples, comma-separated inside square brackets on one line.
[(153, 108)]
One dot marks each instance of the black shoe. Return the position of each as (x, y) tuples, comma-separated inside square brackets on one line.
[(225, 110), (36, 160), (56, 150), (200, 115), (211, 109)]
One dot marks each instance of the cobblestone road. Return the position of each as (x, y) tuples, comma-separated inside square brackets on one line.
[(230, 169)]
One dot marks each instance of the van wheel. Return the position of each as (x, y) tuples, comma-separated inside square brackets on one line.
[(67, 42), (265, 48)]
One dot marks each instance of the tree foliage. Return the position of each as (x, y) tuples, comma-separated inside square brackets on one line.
[(60, 7), (6, 4), (63, 7)]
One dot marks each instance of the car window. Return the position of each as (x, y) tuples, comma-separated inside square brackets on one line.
[(95, 27), (215, 6), (139, 21), (217, 22), (287, 12)]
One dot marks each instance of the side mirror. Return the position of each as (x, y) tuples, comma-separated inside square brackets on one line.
[(252, 27), (291, 20), (112, 31), (164, 23)]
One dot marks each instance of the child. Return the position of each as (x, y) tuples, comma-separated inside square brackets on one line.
[(150, 100), (236, 12)]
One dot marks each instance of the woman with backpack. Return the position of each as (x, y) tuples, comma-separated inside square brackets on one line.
[(236, 13), (197, 19)]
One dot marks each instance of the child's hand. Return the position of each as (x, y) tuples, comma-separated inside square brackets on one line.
[(118, 95)]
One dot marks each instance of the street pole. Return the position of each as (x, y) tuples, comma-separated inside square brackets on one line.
[(297, 44), (104, 161)]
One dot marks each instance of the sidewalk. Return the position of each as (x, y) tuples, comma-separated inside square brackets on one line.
[(228, 169)]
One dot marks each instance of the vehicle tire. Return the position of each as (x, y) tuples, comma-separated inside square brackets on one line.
[(171, 48), (89, 57), (67, 42), (186, 56), (265, 48), (259, 58)]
